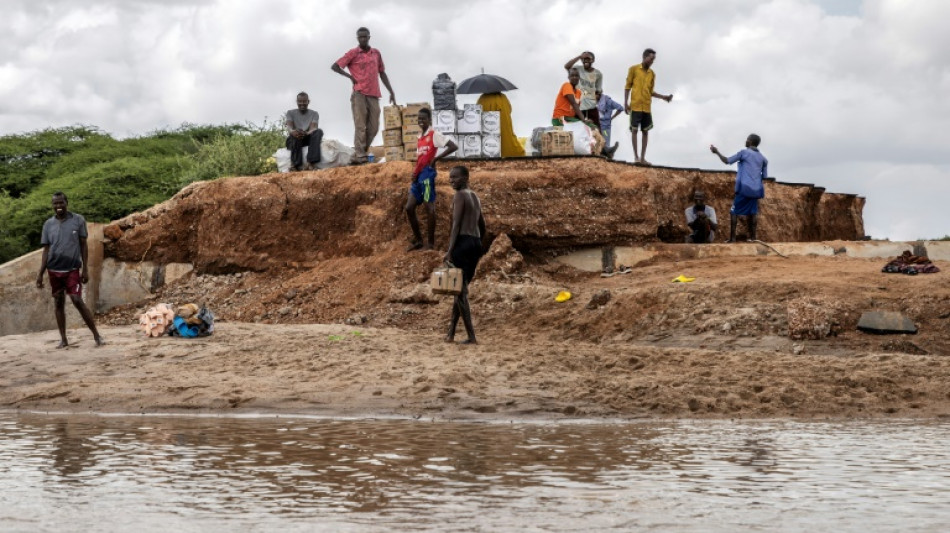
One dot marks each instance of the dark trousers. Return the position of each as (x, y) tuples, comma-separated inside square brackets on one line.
[(592, 115), (312, 142)]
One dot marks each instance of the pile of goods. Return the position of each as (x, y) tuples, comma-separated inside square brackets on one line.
[(401, 131)]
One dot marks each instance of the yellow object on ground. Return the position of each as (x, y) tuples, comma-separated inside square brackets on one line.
[(562, 296), (683, 279), (510, 147)]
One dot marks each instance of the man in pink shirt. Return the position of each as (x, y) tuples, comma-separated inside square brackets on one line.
[(366, 69)]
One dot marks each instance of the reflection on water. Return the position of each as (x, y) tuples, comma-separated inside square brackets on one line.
[(82, 473)]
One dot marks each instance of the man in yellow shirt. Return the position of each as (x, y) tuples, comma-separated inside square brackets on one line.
[(638, 94)]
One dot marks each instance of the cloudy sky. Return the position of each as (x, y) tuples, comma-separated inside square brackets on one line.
[(848, 94)]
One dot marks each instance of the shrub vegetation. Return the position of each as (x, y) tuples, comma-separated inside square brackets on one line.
[(107, 178)]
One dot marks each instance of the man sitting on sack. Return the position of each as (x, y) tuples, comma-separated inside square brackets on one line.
[(303, 131)]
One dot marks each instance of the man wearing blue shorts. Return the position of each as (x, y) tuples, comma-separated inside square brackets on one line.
[(753, 168), (422, 190)]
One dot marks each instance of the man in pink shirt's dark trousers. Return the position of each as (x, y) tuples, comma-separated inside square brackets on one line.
[(366, 68)]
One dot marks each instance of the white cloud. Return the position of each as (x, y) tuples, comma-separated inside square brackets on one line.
[(847, 95)]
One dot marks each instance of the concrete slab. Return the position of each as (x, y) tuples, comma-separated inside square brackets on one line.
[(883, 322), (25, 308), (591, 259)]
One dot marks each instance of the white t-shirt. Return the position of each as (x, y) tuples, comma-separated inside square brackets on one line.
[(691, 215)]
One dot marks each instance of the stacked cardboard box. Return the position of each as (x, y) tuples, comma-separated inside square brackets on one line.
[(557, 142), (392, 133), (469, 128), (410, 128), (491, 134)]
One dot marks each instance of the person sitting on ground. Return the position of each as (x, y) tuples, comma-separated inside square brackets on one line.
[(422, 190), (64, 253), (753, 168), (510, 147), (701, 218), (607, 110), (465, 247), (302, 127)]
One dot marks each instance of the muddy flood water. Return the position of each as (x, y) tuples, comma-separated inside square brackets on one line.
[(144, 474)]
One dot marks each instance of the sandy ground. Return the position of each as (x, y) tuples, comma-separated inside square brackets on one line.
[(717, 347), (344, 370)]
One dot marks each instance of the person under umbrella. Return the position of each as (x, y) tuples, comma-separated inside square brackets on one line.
[(492, 99)]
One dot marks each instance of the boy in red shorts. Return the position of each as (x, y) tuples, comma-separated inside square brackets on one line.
[(422, 190), (64, 254)]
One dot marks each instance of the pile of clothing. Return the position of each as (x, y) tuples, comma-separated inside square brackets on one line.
[(186, 321), (908, 263)]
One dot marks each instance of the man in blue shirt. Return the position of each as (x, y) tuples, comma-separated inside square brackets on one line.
[(608, 110), (753, 168)]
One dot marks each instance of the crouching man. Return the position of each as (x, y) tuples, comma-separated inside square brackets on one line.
[(64, 254), (701, 219)]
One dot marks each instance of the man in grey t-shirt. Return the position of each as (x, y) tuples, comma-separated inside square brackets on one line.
[(591, 82), (303, 131), (64, 254)]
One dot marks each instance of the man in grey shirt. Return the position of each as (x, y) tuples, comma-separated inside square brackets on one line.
[(64, 254), (303, 131), (591, 82)]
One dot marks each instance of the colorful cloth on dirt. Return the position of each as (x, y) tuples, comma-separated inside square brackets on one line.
[(908, 263)]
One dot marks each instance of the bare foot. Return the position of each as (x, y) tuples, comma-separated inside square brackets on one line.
[(731, 241), (100, 341), (62, 344), (429, 246), (645, 162), (414, 246), (469, 341), (449, 339)]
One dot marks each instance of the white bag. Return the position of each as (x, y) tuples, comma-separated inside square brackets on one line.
[(333, 153), (283, 159), (583, 138)]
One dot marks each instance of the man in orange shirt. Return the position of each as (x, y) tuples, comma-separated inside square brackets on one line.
[(567, 104), (638, 94)]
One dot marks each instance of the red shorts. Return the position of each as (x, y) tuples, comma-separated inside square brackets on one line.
[(71, 282)]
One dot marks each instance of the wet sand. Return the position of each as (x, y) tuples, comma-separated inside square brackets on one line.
[(347, 370)]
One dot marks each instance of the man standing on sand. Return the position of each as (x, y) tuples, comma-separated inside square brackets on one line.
[(366, 69), (64, 254), (302, 127), (465, 247), (638, 94), (701, 218), (422, 190), (753, 168)]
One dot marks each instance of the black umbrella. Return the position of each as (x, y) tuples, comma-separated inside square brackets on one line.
[(485, 83)]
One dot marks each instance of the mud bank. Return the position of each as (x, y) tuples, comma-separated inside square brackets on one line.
[(542, 205)]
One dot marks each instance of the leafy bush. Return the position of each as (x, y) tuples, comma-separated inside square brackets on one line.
[(25, 158), (246, 152), (105, 178)]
